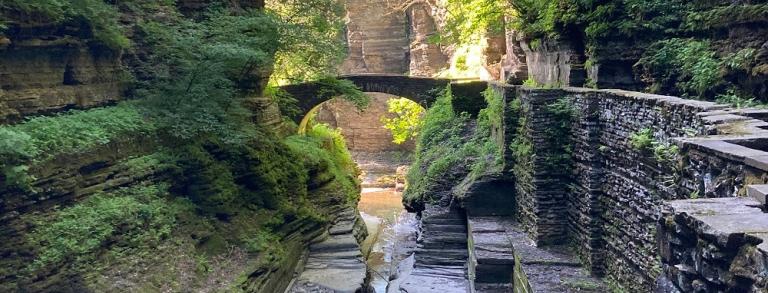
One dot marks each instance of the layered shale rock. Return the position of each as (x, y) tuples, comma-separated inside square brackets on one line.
[(377, 35), (335, 263), (46, 67)]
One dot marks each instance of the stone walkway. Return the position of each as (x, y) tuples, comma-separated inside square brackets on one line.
[(335, 264), (440, 259), (497, 241)]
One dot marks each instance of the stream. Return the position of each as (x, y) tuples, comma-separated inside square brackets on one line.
[(392, 231)]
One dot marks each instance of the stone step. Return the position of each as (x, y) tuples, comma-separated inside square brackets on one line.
[(342, 228), (447, 228), (336, 243), (433, 260), (443, 222)]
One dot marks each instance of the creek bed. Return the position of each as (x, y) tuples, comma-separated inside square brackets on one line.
[(391, 233)]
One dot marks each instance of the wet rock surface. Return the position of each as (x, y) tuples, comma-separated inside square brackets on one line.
[(335, 264), (440, 259)]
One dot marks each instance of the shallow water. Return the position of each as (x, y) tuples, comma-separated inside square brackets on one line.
[(391, 233)]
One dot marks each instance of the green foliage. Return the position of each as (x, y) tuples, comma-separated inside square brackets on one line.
[(139, 216), (406, 119), (468, 20), (261, 173), (560, 150), (689, 64), (724, 16), (450, 146), (101, 17), (492, 115), (312, 41), (261, 241), (665, 152), (325, 154), (598, 20), (204, 69), (536, 19), (333, 87), (740, 60), (642, 140), (289, 106), (694, 195), (556, 153), (733, 98), (531, 82), (42, 138), (521, 145)]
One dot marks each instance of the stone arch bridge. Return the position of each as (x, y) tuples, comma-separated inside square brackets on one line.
[(423, 90)]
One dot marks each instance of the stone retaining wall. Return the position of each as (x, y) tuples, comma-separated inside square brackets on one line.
[(714, 245), (608, 207)]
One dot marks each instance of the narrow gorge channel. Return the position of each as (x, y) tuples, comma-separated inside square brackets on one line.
[(384, 146), (392, 231)]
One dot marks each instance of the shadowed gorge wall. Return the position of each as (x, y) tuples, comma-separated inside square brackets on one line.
[(377, 36), (45, 68)]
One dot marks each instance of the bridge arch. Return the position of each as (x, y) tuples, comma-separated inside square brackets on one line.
[(418, 89)]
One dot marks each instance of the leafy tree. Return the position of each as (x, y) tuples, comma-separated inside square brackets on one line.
[(204, 69), (406, 121), (311, 39), (468, 20)]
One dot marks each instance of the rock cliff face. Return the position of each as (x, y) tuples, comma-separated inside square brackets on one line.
[(385, 38), (378, 38), (427, 58), (46, 68)]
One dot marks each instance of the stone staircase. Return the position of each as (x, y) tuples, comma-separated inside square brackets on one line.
[(440, 264), (497, 241)]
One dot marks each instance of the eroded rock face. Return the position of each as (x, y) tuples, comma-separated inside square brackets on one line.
[(427, 58), (47, 68), (377, 35), (554, 63), (514, 69)]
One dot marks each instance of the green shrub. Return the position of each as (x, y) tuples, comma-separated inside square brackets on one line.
[(731, 97), (690, 65), (665, 152), (325, 154), (470, 20), (642, 140), (406, 120), (42, 138), (221, 178), (724, 16), (136, 217), (451, 147), (201, 71)]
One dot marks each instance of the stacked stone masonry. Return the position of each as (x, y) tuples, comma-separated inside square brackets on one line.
[(609, 206)]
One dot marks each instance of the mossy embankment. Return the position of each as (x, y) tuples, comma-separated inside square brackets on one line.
[(176, 189), (207, 216), (452, 147)]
